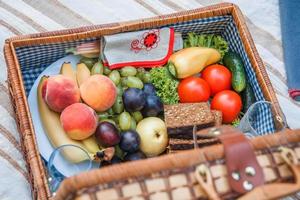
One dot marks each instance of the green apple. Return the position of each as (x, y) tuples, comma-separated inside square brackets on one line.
[(153, 135)]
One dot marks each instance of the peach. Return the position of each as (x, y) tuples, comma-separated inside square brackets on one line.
[(99, 92), (59, 92), (79, 121)]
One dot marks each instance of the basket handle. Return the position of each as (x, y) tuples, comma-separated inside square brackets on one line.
[(275, 190)]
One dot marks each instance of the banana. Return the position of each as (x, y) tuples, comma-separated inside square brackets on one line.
[(82, 73), (57, 135), (91, 145), (67, 70)]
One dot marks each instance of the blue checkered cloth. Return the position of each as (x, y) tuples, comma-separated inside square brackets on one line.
[(34, 59)]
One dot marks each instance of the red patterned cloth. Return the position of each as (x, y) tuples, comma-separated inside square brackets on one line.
[(148, 48)]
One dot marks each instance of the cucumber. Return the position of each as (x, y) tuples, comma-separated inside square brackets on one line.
[(248, 98), (235, 64)]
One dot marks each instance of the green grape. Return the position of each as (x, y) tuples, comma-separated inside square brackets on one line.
[(102, 115), (124, 82), (133, 124), (137, 116), (109, 120), (140, 73), (128, 71), (115, 77), (119, 152), (125, 121), (110, 112), (118, 106), (119, 90), (89, 62), (97, 68), (147, 77), (134, 82), (115, 118), (106, 70)]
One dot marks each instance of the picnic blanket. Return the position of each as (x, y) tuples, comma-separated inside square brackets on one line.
[(31, 16)]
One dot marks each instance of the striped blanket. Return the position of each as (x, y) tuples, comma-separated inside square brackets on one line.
[(31, 16)]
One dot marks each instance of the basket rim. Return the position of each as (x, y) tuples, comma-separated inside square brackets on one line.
[(90, 31), (177, 160), (16, 86)]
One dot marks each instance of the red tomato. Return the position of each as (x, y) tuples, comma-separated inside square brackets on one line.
[(193, 89), (218, 78), (229, 102)]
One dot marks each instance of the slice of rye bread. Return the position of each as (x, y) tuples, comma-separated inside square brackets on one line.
[(218, 117), (180, 118), (186, 132)]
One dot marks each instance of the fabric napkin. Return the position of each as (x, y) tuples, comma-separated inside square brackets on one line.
[(290, 27), (147, 48)]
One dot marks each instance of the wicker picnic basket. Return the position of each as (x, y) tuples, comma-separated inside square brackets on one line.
[(27, 56)]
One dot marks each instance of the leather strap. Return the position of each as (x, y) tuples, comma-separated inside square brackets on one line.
[(244, 172), (239, 154)]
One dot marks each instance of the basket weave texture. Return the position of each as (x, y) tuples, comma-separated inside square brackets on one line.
[(173, 176)]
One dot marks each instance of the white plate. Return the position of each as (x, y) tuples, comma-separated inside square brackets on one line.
[(43, 142)]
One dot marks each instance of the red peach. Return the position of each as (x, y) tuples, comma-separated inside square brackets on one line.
[(99, 92), (59, 92), (79, 121)]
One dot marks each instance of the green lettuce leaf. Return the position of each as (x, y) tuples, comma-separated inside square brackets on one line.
[(165, 84), (206, 40)]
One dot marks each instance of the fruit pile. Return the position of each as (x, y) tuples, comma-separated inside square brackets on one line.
[(112, 114)]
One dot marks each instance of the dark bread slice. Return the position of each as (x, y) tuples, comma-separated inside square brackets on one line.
[(187, 115), (182, 144), (218, 117), (180, 120)]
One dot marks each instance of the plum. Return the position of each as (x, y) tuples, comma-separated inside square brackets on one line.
[(152, 107), (134, 156), (134, 99), (149, 89), (130, 141), (107, 135)]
